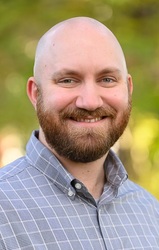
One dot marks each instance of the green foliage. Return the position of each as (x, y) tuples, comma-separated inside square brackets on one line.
[(135, 23)]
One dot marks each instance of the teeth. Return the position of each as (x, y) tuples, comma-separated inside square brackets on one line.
[(89, 120)]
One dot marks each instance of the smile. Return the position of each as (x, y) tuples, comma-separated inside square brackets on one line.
[(89, 120)]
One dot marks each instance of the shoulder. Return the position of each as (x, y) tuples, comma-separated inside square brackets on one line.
[(139, 198), (13, 169)]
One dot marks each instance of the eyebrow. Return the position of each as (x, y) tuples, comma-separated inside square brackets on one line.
[(70, 72), (110, 70), (64, 72)]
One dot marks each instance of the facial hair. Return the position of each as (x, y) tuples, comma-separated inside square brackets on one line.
[(81, 144)]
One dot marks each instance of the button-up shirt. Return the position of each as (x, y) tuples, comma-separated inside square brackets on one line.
[(43, 207)]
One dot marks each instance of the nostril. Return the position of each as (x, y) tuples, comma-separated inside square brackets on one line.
[(90, 103)]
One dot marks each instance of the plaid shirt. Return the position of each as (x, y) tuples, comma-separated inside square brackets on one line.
[(43, 207)]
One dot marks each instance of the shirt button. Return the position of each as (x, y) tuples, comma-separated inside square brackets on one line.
[(70, 193), (78, 186)]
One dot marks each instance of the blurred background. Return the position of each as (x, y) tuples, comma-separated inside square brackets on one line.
[(135, 24)]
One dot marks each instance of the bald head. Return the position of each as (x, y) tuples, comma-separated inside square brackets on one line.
[(74, 33)]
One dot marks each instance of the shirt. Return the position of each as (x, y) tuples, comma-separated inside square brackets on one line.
[(42, 207)]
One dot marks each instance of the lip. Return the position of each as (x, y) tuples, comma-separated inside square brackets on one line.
[(89, 120)]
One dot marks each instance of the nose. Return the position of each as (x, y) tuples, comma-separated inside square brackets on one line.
[(89, 97)]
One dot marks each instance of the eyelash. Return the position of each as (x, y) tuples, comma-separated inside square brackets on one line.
[(108, 79), (72, 82), (67, 80)]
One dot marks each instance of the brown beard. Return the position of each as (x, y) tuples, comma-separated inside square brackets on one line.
[(81, 144)]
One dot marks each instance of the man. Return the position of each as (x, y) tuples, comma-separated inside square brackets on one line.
[(71, 191)]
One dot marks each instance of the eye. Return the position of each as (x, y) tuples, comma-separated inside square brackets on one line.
[(67, 80), (107, 82), (108, 79)]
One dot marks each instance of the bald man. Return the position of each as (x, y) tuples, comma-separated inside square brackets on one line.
[(70, 190)]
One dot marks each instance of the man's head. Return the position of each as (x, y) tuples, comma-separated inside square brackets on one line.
[(80, 89)]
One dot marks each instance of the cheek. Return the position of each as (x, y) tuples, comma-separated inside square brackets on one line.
[(118, 99), (58, 100)]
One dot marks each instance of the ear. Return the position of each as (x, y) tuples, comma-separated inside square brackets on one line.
[(32, 90), (130, 84)]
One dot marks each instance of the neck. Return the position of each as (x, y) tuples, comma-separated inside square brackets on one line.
[(91, 174)]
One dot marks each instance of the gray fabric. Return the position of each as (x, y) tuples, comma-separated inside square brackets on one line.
[(43, 207)]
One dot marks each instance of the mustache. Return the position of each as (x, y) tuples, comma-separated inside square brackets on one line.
[(77, 113)]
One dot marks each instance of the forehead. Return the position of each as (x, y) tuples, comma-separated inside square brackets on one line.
[(75, 31), (82, 39), (79, 42)]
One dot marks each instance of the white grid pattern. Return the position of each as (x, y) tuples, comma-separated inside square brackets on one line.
[(36, 212)]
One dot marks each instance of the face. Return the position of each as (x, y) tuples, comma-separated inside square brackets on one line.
[(84, 98)]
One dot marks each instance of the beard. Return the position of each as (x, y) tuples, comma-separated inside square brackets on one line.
[(81, 144)]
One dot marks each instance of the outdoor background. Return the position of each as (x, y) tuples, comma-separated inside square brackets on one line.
[(136, 25)]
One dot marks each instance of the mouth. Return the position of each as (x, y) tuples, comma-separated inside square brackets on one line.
[(88, 120)]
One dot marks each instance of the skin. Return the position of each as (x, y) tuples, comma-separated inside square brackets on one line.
[(79, 64)]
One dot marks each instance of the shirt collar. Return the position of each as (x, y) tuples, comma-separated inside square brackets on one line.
[(115, 171), (45, 161)]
